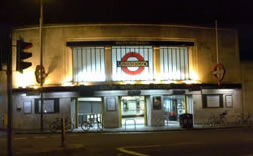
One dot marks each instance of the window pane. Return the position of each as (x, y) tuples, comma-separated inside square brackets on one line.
[(27, 107), (132, 63), (174, 63), (88, 64), (213, 101), (49, 105)]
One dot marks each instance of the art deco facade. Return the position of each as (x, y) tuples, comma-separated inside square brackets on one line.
[(127, 71)]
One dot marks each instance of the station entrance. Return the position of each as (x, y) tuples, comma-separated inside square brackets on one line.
[(133, 111), (175, 105), (89, 111)]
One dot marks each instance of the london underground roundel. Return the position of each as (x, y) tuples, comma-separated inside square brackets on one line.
[(219, 71), (126, 63)]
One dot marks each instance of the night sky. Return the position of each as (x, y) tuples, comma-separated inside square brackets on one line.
[(231, 14)]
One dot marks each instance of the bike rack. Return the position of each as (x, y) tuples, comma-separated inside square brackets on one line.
[(130, 120)]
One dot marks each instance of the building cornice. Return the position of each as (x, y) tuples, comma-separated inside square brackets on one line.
[(49, 26), (90, 88)]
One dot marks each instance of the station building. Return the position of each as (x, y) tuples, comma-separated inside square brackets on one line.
[(127, 72)]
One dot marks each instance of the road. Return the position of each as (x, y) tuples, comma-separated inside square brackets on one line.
[(233, 142)]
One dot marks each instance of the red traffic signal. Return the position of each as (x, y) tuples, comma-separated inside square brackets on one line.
[(22, 55)]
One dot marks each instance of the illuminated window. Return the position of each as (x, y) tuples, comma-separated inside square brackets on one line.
[(88, 64), (174, 63), (132, 63)]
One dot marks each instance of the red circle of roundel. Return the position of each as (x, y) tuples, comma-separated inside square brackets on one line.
[(136, 55), (219, 71)]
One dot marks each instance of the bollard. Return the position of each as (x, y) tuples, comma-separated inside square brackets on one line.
[(62, 132)]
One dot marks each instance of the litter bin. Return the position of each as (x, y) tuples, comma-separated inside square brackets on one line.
[(186, 120)]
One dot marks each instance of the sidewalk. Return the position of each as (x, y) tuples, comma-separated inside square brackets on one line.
[(128, 128)]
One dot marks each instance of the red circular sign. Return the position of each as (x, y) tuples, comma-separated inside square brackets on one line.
[(219, 71), (136, 55)]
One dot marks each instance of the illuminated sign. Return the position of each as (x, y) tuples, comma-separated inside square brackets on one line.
[(219, 71), (132, 64), (126, 63)]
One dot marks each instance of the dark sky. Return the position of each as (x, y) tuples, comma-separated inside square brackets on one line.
[(235, 14)]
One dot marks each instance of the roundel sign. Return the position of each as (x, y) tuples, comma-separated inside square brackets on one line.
[(132, 63), (219, 71)]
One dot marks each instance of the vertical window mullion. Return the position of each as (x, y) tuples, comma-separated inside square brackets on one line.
[(174, 63), (178, 64), (170, 63), (75, 63), (187, 62), (79, 64)]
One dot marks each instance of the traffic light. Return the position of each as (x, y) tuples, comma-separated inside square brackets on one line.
[(22, 55)]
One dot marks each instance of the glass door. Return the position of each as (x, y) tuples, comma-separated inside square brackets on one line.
[(174, 106), (133, 110)]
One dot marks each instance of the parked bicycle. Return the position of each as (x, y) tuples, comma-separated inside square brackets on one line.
[(57, 124), (92, 122), (244, 119), (216, 121)]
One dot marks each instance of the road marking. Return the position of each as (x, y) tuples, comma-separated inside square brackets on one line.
[(21, 138), (122, 149)]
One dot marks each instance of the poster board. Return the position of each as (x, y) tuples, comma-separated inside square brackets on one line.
[(111, 103)]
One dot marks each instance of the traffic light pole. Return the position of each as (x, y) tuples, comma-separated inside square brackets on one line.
[(9, 88), (41, 68)]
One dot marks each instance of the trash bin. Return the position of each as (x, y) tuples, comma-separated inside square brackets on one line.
[(186, 120)]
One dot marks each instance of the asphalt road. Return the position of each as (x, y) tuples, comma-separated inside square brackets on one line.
[(233, 142)]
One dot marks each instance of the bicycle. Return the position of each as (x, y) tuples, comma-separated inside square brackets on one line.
[(243, 119), (219, 120), (57, 124), (90, 123)]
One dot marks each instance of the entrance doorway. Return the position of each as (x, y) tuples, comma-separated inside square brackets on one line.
[(89, 109), (174, 106), (133, 111)]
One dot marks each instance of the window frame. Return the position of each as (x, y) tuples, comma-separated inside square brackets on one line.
[(205, 104), (56, 106)]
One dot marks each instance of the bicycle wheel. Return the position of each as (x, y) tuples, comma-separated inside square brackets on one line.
[(211, 122), (70, 127), (85, 126), (99, 125), (224, 122), (53, 127)]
